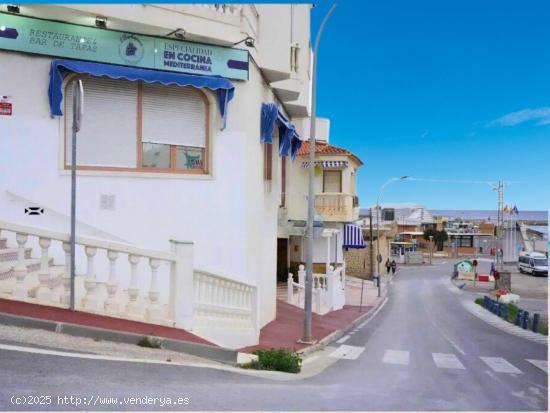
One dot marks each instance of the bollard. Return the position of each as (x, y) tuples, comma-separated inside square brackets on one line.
[(518, 317), (525, 320), (536, 318)]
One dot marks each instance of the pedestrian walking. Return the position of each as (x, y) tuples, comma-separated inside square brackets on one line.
[(388, 266), (493, 269), (393, 266)]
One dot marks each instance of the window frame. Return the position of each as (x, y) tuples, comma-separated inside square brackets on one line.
[(205, 170), (341, 178)]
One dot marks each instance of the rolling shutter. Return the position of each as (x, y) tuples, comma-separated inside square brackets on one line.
[(173, 115), (108, 134), (332, 181)]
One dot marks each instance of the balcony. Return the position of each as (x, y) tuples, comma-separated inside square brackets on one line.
[(337, 207)]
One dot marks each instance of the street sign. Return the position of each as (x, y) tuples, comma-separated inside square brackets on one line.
[(6, 108)]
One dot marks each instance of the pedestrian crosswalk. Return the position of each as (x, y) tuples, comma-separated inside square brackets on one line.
[(541, 364), (396, 357), (500, 365), (447, 361), (454, 362)]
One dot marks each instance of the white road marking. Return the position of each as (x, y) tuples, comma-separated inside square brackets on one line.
[(343, 339), (541, 364), (500, 365), (347, 352), (396, 357), (447, 361)]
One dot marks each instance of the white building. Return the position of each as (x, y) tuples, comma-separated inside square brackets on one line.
[(157, 160), (336, 206)]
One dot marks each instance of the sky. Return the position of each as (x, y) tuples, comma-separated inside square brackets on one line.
[(441, 91)]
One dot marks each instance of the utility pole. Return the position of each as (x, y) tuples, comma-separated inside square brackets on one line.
[(371, 245), (431, 247), (78, 105), (500, 221), (307, 337)]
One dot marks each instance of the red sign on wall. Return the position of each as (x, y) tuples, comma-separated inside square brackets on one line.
[(5, 108)]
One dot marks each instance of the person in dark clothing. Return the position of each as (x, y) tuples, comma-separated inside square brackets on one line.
[(388, 266), (393, 266)]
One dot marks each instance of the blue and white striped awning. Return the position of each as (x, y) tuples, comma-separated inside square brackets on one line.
[(328, 164), (353, 236)]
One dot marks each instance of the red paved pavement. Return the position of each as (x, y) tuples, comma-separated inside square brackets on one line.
[(95, 320), (286, 329)]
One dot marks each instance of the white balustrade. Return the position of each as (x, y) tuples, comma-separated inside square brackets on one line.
[(222, 301), (195, 297), (43, 294), (66, 296), (90, 301), (133, 309), (154, 310), (20, 271), (111, 303), (290, 289)]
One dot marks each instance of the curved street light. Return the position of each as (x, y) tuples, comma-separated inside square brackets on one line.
[(378, 256), (307, 337)]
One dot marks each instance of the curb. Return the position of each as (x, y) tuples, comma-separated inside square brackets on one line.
[(220, 354), (495, 321), (336, 335)]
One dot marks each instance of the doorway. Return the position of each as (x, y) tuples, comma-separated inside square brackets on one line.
[(282, 259)]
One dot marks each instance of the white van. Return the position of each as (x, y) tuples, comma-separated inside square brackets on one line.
[(533, 263)]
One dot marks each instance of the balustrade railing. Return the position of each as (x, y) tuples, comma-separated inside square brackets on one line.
[(223, 301), (336, 206), (157, 287), (328, 289)]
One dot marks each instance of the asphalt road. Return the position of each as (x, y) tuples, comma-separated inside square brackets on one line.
[(422, 351)]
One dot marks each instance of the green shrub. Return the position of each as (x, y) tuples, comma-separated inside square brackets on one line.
[(277, 360), (479, 301), (149, 342)]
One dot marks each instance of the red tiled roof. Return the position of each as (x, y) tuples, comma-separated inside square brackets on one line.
[(323, 148)]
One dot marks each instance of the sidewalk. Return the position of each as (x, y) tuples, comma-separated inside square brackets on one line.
[(287, 328)]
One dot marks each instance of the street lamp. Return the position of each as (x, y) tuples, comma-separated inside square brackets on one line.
[(311, 193), (378, 256), (431, 247)]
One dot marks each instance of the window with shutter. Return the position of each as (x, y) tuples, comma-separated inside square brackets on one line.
[(107, 137), (332, 181), (142, 127)]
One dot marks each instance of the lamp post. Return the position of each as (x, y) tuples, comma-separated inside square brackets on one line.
[(378, 256), (307, 338), (431, 247)]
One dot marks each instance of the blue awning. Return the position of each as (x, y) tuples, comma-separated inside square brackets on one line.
[(60, 67), (353, 236), (289, 141)]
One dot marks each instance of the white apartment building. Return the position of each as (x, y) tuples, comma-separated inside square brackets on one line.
[(178, 188)]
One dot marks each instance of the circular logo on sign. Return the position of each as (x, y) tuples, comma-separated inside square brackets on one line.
[(130, 49)]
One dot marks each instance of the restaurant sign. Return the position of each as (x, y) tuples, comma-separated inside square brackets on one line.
[(31, 35)]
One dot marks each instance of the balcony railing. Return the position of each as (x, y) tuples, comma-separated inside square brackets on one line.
[(337, 206)]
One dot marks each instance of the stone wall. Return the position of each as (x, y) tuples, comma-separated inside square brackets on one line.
[(358, 262)]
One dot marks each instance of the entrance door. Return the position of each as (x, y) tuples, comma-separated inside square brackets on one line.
[(282, 259)]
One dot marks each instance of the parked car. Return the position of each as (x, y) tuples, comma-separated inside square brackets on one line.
[(534, 263)]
